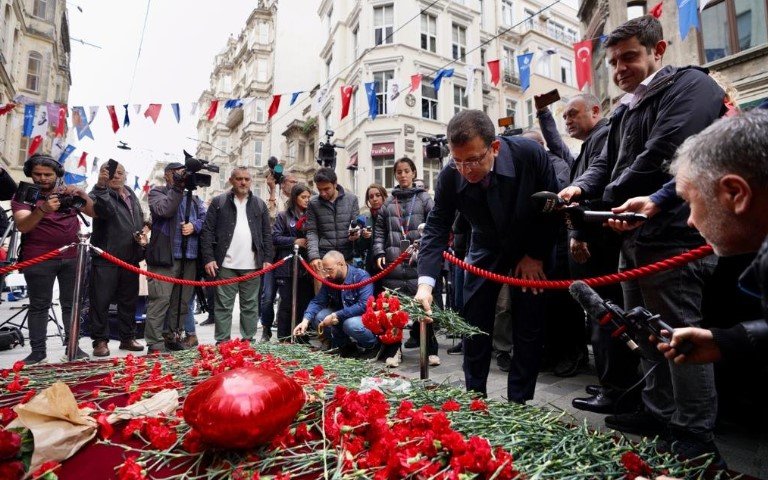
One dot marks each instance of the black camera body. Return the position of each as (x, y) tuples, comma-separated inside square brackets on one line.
[(437, 147), (326, 154), (192, 176), (30, 194), (275, 169)]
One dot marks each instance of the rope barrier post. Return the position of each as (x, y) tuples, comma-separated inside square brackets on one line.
[(74, 326), (294, 290), (423, 360)]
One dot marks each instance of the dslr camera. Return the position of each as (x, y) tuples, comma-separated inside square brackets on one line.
[(192, 177), (275, 169), (29, 194), (437, 147)]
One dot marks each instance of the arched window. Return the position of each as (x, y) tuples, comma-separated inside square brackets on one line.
[(34, 69)]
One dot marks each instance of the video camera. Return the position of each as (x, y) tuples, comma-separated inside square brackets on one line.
[(576, 215), (358, 224), (191, 177), (509, 127), (30, 194), (437, 147), (326, 154), (627, 326), (275, 169)]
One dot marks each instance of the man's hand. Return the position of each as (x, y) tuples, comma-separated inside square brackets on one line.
[(211, 268), (579, 251), (354, 235), (380, 262), (271, 184), (52, 204), (301, 328), (367, 233), (267, 265), (705, 350), (317, 264), (530, 269), (74, 191), (329, 320), (424, 296), (633, 205), (302, 242), (187, 229), (103, 181), (570, 193)]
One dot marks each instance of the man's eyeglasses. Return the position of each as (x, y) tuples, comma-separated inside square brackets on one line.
[(471, 163)]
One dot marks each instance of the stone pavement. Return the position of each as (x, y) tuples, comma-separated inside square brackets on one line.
[(745, 450)]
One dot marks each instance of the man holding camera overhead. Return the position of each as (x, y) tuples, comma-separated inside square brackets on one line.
[(172, 251), (45, 226), (116, 229)]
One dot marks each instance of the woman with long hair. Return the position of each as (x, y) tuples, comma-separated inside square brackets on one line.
[(397, 225), (288, 231), (375, 195)]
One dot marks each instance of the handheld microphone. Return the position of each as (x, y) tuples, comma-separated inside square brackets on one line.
[(597, 308), (546, 202)]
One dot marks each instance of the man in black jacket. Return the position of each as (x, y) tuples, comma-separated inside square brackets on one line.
[(118, 219), (237, 240), (490, 181), (662, 107)]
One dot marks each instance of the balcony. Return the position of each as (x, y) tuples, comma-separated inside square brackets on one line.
[(559, 35), (511, 79)]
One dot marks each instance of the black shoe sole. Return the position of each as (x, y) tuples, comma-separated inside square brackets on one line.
[(644, 431)]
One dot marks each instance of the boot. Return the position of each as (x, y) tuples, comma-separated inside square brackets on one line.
[(190, 341)]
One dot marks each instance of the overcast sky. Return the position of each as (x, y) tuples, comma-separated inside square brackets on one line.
[(182, 37)]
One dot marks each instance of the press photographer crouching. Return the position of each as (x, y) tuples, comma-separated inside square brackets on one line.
[(45, 213)]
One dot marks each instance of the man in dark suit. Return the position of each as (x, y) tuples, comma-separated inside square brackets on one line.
[(490, 181)]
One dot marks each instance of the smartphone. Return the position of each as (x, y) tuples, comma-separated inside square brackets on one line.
[(111, 168), (404, 244), (546, 99)]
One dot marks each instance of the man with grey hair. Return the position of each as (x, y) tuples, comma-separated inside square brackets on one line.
[(236, 240)]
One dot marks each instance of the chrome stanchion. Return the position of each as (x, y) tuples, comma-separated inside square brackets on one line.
[(423, 360), (74, 326), (294, 291)]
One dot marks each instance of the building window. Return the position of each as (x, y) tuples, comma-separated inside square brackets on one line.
[(556, 30), (223, 177), (258, 157), (483, 53), (459, 49), (428, 100), (528, 24), (329, 20), (635, 10), (572, 36), (34, 67), (383, 172), (731, 26), (511, 107), (23, 147), (355, 39), (431, 169), (302, 153), (381, 79), (328, 68), (428, 32), (507, 15), (293, 151), (529, 111), (566, 71), (509, 62), (543, 66), (482, 13), (258, 108), (40, 9), (383, 22), (459, 100), (263, 33)]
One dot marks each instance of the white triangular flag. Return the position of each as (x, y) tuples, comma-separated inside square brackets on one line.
[(137, 107), (41, 123), (193, 108), (394, 93), (319, 99), (470, 70), (92, 111)]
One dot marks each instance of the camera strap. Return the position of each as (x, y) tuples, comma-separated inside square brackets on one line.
[(404, 225)]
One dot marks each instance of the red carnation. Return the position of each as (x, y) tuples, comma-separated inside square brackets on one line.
[(18, 366), (130, 470), (478, 405), (635, 465), (105, 428), (12, 470), (45, 469), (451, 406), (10, 444)]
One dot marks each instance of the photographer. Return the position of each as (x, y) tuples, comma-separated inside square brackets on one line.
[(7, 185), (119, 218), (44, 227), (171, 223)]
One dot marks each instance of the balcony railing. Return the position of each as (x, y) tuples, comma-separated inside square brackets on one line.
[(511, 79), (559, 35)]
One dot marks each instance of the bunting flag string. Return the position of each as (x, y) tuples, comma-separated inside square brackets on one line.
[(66, 153), (136, 183), (61, 123), (95, 166), (35, 144), (470, 72), (346, 96), (394, 91), (656, 10), (687, 16), (80, 120), (415, 82), (7, 108), (273, 106), (176, 112), (294, 96), (583, 53), (29, 120)]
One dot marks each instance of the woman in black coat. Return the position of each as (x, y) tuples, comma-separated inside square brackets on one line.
[(288, 231), (375, 195)]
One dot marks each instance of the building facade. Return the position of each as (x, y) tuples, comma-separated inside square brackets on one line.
[(34, 68), (733, 41)]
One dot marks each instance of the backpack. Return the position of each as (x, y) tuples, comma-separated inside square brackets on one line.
[(10, 337)]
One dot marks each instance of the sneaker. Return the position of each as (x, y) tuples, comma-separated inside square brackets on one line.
[(79, 355), (35, 358), (457, 349), (411, 343), (394, 360), (434, 360), (640, 423), (504, 361), (266, 334)]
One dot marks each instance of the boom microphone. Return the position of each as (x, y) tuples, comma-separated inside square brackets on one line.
[(597, 308)]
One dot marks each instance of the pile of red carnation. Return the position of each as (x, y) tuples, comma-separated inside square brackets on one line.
[(384, 318)]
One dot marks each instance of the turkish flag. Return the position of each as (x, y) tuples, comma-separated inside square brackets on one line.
[(656, 10), (583, 53), (62, 125), (493, 66), (274, 105), (212, 109), (153, 111), (346, 96), (35, 144), (113, 117), (415, 82)]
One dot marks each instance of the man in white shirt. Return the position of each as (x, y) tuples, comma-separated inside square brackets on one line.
[(236, 240)]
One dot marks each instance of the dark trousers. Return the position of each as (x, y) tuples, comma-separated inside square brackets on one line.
[(111, 284), (305, 293), (566, 326), (527, 340), (267, 300), (40, 279)]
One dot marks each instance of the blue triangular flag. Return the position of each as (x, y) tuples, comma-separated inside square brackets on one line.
[(127, 119), (442, 73), (603, 38), (66, 153), (294, 96), (524, 65), (29, 120), (83, 128), (136, 183), (176, 113), (233, 103), (687, 16), (373, 107)]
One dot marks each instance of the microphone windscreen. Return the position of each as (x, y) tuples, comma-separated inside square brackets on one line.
[(589, 300), (546, 202)]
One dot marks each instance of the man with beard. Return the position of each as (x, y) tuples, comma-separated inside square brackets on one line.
[(341, 311)]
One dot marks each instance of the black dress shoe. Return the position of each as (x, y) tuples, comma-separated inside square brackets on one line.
[(411, 343), (593, 389), (596, 403), (207, 321), (504, 361), (457, 349), (639, 423)]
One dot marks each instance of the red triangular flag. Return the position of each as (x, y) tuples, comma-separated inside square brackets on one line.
[(62, 125), (212, 109), (7, 108), (274, 105), (656, 10), (346, 96), (415, 82), (153, 111), (493, 67), (35, 144), (113, 117), (583, 53), (146, 187), (83, 162)]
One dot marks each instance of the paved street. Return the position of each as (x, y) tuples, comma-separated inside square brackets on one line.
[(745, 451)]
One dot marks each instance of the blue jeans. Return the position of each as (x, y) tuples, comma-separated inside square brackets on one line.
[(349, 329), (189, 320)]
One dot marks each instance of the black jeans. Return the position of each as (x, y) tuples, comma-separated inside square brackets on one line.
[(306, 291), (110, 283), (267, 300), (40, 280)]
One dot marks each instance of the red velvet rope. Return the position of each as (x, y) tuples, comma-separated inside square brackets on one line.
[(34, 261), (181, 281), (638, 272), (354, 286)]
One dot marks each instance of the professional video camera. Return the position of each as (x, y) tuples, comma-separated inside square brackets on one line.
[(191, 176), (437, 147), (326, 154), (509, 127), (358, 224), (275, 169), (29, 194), (576, 215), (628, 326)]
